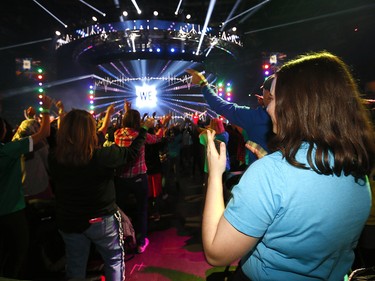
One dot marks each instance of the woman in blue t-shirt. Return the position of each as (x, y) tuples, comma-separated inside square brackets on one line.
[(297, 213)]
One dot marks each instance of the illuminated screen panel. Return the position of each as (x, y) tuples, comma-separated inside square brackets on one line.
[(160, 86)]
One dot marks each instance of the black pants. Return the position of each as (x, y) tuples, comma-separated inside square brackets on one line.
[(14, 244), (137, 185)]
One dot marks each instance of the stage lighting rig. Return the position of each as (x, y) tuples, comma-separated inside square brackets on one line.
[(143, 39)]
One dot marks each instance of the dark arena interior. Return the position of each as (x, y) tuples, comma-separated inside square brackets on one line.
[(94, 53)]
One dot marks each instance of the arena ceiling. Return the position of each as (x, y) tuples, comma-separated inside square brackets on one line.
[(271, 25), (284, 27)]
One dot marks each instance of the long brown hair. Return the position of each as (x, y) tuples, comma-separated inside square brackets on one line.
[(318, 102), (76, 138)]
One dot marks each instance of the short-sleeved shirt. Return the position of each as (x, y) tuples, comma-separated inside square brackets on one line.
[(11, 190), (307, 224)]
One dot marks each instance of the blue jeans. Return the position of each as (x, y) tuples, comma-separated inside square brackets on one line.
[(105, 234)]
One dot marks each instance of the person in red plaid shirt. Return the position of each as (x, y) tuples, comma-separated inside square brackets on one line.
[(132, 178)]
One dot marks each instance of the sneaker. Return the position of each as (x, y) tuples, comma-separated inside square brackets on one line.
[(142, 248)]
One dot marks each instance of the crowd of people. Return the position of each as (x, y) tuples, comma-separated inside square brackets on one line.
[(298, 212)]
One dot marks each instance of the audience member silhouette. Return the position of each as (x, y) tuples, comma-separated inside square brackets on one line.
[(14, 234), (132, 178), (36, 178), (86, 212)]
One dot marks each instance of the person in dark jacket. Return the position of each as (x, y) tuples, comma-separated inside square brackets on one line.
[(86, 210)]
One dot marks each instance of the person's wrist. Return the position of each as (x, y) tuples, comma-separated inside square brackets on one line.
[(203, 83), (145, 127)]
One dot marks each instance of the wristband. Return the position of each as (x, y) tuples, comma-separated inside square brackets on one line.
[(45, 111), (203, 83)]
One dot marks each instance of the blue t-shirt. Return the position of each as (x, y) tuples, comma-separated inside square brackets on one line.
[(307, 224)]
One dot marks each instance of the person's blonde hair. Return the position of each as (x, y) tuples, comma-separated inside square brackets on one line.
[(318, 102), (76, 138)]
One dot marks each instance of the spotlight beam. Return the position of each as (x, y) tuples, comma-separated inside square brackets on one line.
[(248, 15), (25, 44), (178, 7), (245, 12), (311, 19), (52, 15), (23, 90), (92, 7), (185, 101), (115, 67), (208, 17), (230, 14), (136, 6)]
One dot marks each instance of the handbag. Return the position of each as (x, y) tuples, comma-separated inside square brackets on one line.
[(128, 231)]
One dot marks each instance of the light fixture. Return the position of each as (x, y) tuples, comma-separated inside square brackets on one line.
[(188, 16), (125, 13), (156, 13)]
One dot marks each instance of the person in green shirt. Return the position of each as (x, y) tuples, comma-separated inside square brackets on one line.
[(14, 236)]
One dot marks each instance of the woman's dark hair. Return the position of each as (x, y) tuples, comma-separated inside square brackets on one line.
[(4, 125), (76, 138), (317, 101), (132, 119)]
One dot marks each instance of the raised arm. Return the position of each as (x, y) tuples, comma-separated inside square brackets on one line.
[(61, 112), (44, 130), (107, 119), (222, 243), (197, 78)]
